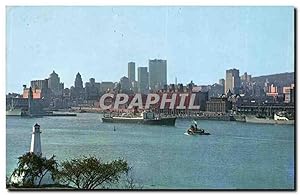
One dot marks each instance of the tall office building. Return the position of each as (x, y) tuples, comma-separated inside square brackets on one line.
[(39, 84), (125, 84), (77, 91), (78, 81), (131, 71), (54, 84), (92, 89), (157, 73), (232, 81), (143, 80), (42, 87)]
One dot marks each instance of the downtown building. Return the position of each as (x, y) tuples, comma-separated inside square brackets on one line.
[(157, 74), (131, 71), (143, 80), (55, 85), (40, 89), (232, 81), (106, 86), (46, 88), (92, 90), (77, 90), (124, 85)]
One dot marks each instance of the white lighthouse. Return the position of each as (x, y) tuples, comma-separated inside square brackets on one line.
[(36, 147)]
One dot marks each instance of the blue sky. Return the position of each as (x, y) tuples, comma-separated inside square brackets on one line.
[(199, 43)]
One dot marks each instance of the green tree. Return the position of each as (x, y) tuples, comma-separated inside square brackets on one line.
[(32, 169), (90, 172)]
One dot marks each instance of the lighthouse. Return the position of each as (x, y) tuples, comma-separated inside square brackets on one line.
[(36, 147)]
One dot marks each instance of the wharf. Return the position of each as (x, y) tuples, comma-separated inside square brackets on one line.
[(50, 114)]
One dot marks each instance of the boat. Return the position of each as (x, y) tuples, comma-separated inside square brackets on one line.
[(281, 118), (284, 118), (197, 132), (147, 118), (201, 132), (194, 130)]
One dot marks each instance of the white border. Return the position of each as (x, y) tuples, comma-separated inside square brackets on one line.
[(5, 3)]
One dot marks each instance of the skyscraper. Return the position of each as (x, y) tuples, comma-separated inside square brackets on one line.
[(77, 91), (78, 81), (232, 81), (157, 73), (143, 80), (54, 84), (131, 71)]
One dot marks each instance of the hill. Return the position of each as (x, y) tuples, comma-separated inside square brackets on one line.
[(280, 80)]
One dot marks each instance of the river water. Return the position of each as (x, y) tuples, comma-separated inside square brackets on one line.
[(235, 156)]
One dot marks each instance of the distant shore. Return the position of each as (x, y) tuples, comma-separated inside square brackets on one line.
[(202, 116)]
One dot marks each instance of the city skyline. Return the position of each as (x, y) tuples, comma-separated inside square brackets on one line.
[(257, 40), (81, 83)]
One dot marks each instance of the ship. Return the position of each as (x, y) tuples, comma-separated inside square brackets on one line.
[(281, 118), (146, 118)]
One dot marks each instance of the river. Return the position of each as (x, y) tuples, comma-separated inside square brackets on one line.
[(235, 156)]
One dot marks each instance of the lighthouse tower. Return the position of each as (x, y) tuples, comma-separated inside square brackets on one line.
[(36, 147)]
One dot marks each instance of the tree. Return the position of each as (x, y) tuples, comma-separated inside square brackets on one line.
[(90, 172), (130, 182), (32, 169)]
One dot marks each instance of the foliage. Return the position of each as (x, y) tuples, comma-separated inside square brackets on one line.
[(81, 173), (90, 172), (32, 169), (130, 182)]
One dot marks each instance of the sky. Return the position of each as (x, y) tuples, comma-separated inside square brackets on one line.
[(199, 43)]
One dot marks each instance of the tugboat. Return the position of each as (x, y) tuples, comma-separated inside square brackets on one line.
[(147, 118), (194, 130)]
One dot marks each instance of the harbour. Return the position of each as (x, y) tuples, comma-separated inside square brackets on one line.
[(148, 98), (235, 155)]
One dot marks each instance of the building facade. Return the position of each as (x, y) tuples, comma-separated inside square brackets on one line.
[(232, 81), (55, 85), (106, 86), (246, 78), (40, 84), (41, 87), (131, 71), (143, 80), (218, 105), (77, 91), (157, 73), (289, 93), (125, 85), (78, 81), (92, 90)]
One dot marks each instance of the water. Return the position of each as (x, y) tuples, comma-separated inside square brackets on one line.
[(235, 156)]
